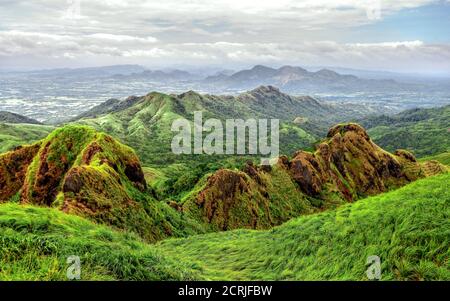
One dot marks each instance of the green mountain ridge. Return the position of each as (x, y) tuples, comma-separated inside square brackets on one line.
[(144, 123), (8, 117), (424, 132), (408, 228), (108, 188), (88, 173)]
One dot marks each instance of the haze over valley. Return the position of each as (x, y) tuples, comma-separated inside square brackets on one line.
[(57, 95)]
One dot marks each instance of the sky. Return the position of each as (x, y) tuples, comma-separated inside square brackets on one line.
[(411, 36)]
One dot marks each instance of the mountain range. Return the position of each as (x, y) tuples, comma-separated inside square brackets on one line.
[(107, 186), (290, 79), (89, 173), (299, 80), (144, 123)]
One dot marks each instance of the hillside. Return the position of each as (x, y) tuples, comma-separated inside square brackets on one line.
[(424, 132), (144, 123), (84, 172), (407, 228), (263, 102), (13, 135), (345, 167), (8, 117), (36, 242), (443, 158)]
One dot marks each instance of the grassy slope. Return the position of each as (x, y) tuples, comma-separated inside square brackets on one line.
[(408, 228), (146, 127), (12, 135), (103, 192), (35, 243), (424, 132), (443, 158)]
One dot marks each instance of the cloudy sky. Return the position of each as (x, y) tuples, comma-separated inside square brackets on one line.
[(397, 35)]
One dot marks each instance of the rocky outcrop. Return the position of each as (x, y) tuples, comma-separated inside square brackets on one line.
[(13, 168), (307, 172), (222, 195), (80, 171), (350, 163), (345, 167), (256, 197)]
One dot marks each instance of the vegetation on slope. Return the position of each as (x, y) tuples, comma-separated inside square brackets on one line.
[(88, 173), (8, 117), (13, 135), (409, 229), (36, 242), (424, 132), (144, 123), (346, 166), (443, 158)]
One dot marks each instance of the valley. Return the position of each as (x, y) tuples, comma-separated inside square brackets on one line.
[(109, 180), (193, 148), (63, 94), (408, 228)]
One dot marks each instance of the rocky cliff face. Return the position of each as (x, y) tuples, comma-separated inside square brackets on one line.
[(75, 160), (349, 162), (345, 167), (256, 197), (87, 173), (13, 168)]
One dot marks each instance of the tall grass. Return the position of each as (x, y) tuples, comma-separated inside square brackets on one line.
[(409, 229)]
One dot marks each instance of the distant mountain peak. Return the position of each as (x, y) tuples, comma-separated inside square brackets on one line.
[(8, 117), (292, 69), (296, 80), (261, 68), (190, 93), (327, 72), (266, 89)]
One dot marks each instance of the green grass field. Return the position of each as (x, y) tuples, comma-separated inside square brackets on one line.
[(36, 242), (408, 228), (12, 135), (424, 132), (443, 158)]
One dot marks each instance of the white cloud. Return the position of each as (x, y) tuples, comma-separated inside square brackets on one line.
[(242, 32), (408, 44), (121, 38), (15, 43)]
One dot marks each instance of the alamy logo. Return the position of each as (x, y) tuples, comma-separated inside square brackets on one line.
[(74, 269), (374, 270), (239, 136)]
